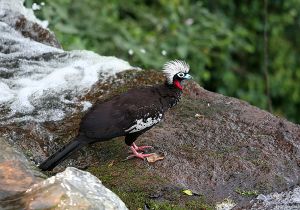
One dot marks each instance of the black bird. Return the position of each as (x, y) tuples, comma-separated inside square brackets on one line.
[(129, 114)]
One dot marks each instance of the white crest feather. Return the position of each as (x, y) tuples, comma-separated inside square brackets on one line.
[(173, 67)]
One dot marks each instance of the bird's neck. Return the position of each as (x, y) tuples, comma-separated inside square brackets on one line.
[(175, 88), (170, 95)]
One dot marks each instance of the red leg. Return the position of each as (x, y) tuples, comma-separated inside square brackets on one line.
[(140, 148)]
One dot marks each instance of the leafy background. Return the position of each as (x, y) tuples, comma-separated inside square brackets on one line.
[(229, 44)]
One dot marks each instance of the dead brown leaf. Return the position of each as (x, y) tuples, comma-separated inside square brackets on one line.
[(155, 157)]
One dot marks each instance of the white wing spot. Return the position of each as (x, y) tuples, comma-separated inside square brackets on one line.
[(143, 123)]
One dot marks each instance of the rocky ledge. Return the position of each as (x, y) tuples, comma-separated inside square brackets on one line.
[(219, 152)]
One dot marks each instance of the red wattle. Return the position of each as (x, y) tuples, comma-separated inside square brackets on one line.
[(177, 84)]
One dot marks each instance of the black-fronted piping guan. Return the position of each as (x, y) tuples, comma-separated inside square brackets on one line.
[(130, 114)]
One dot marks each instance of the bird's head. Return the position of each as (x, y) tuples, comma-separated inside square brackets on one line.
[(176, 71)]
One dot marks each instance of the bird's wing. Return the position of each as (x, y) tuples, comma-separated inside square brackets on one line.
[(103, 121), (142, 118), (130, 112)]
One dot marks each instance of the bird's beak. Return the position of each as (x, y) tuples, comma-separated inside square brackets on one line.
[(187, 76)]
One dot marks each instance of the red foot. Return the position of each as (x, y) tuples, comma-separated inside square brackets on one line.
[(136, 154), (141, 148)]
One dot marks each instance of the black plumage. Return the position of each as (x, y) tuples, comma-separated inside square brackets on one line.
[(129, 114)]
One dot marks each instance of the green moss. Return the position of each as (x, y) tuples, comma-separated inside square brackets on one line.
[(137, 186), (279, 179), (188, 107), (163, 205), (133, 200), (198, 204), (130, 180), (28, 153), (247, 193), (261, 164), (183, 202)]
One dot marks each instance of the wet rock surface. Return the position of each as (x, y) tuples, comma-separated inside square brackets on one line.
[(222, 149), (14, 14)]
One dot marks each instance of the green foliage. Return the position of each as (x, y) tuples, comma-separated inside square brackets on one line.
[(221, 40)]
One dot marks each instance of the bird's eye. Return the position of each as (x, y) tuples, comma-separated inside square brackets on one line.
[(180, 74)]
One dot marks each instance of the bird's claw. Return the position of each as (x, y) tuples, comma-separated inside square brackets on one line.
[(134, 150)]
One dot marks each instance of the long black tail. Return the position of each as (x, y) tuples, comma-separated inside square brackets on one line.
[(62, 154)]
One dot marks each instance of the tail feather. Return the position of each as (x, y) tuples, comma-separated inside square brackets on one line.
[(61, 154)]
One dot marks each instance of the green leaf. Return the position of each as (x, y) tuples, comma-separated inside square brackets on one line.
[(187, 192)]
